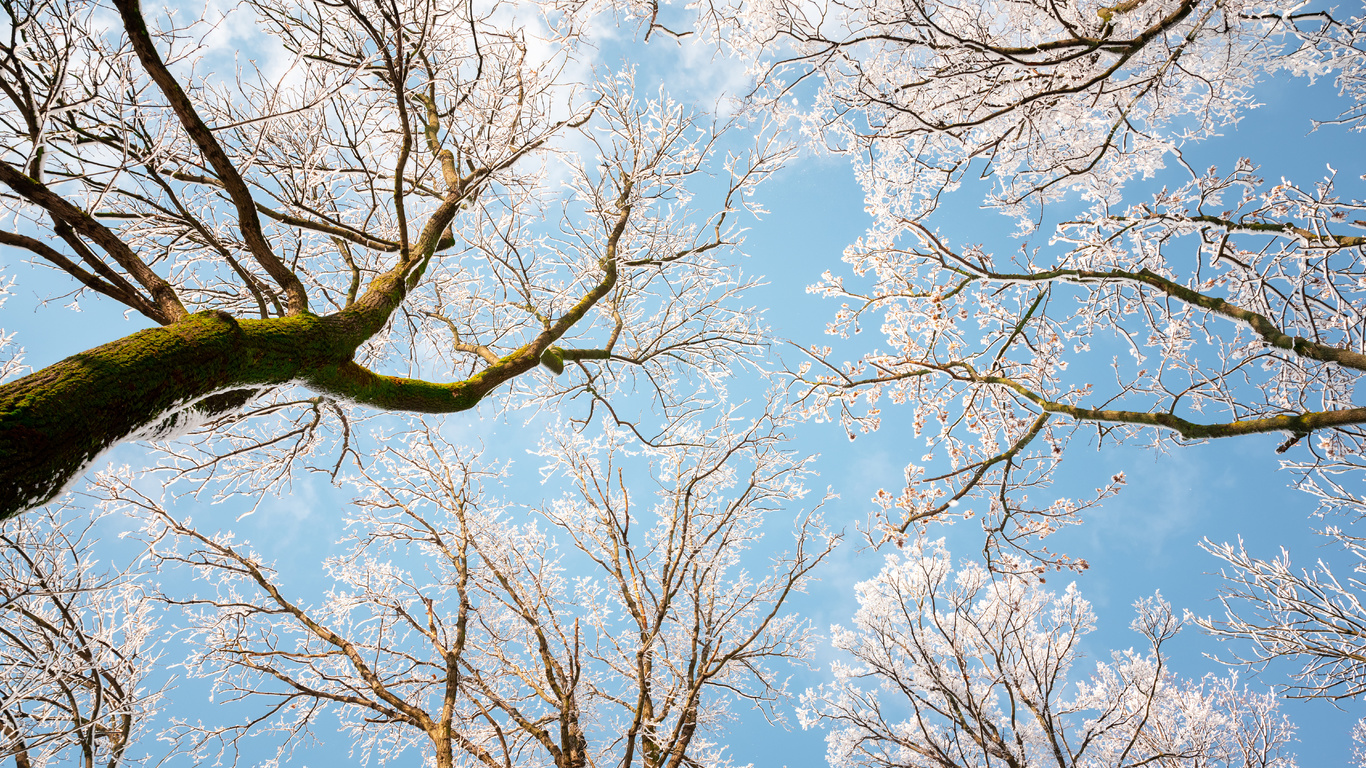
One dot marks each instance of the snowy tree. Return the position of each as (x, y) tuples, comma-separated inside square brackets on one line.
[(398, 207), (1219, 306), (611, 628), (959, 668), (76, 649)]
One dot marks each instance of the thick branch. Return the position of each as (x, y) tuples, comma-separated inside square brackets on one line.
[(1296, 423), (64, 212), (555, 357), (122, 293), (57, 421), (1314, 239), (358, 384), (247, 220)]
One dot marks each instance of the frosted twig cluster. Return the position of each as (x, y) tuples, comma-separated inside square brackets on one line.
[(78, 647), (954, 667), (456, 628)]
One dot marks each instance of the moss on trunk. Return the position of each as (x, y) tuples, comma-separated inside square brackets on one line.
[(55, 422)]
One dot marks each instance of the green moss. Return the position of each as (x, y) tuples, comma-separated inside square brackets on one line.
[(56, 421), (553, 359)]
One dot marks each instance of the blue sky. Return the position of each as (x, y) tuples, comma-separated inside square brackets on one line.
[(1142, 541)]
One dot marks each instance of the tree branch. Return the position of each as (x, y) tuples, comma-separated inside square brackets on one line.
[(247, 220), (63, 212), (124, 294), (1259, 323)]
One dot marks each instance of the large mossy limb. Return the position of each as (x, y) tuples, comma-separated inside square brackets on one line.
[(55, 422)]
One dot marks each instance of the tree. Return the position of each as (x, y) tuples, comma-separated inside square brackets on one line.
[(302, 224), (456, 628), (75, 655), (962, 669), (1237, 301)]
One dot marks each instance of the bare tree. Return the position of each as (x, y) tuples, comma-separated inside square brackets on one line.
[(459, 630), (960, 668), (1221, 306), (75, 656), (432, 188)]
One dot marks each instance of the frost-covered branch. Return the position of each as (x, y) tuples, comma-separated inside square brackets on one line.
[(76, 647), (1309, 617)]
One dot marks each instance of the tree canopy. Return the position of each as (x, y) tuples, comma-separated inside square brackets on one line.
[(416, 207), (1236, 301), (418, 177)]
